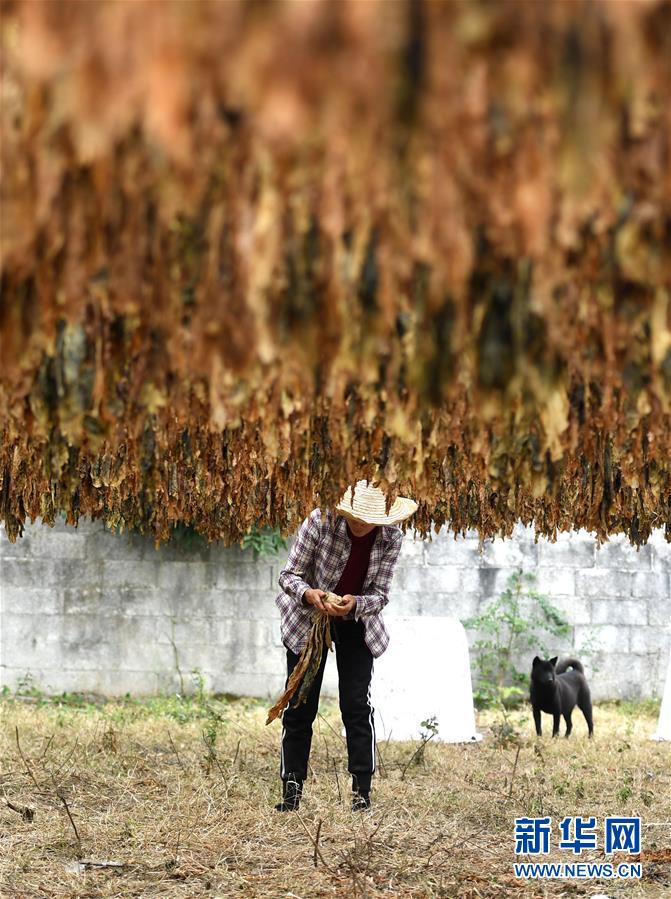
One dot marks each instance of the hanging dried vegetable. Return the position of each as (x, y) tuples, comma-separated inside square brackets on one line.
[(254, 252)]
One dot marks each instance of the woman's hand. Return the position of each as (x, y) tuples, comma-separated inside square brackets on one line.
[(314, 597), (342, 608)]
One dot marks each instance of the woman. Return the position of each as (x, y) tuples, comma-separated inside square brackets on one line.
[(353, 554)]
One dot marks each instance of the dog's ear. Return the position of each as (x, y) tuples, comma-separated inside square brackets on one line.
[(535, 662), (553, 662)]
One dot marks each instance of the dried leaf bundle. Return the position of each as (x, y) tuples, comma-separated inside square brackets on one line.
[(255, 252), (307, 666)]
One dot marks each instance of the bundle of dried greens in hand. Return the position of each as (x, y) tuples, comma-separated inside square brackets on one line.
[(307, 666), (332, 599), (308, 663)]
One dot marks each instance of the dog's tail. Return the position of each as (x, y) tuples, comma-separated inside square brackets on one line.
[(565, 664)]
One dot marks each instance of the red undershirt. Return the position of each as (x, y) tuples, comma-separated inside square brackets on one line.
[(354, 574)]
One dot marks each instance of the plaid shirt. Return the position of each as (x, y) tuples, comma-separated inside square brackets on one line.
[(317, 559)]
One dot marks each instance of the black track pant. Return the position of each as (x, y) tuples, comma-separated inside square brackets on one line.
[(355, 669)]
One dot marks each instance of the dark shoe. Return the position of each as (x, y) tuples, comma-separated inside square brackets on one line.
[(360, 801), (292, 790)]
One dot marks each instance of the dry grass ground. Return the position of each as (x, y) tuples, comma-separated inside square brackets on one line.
[(174, 798)]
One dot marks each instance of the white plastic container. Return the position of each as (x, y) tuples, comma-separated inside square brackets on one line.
[(424, 674), (664, 724)]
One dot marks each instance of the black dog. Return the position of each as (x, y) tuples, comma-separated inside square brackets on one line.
[(557, 691)]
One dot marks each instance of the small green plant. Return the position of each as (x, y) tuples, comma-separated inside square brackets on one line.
[(504, 731), (429, 728), (624, 793), (265, 541), (428, 732), (213, 721), (589, 649), (647, 798), (27, 689), (26, 686), (200, 693), (210, 733), (515, 621)]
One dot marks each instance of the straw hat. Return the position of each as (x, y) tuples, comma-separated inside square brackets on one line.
[(369, 502)]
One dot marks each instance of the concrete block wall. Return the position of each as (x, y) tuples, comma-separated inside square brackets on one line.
[(617, 599), (82, 609)]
